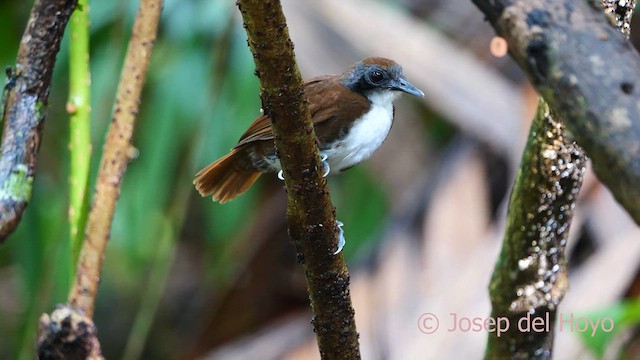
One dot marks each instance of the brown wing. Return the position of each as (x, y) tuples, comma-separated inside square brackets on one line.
[(260, 129), (323, 93)]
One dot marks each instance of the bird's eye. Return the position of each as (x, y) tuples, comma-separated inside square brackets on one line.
[(376, 77)]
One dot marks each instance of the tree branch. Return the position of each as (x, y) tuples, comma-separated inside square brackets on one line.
[(116, 155), (26, 95), (530, 277), (310, 213), (588, 73)]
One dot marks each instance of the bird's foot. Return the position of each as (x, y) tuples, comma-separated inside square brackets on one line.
[(325, 164), (341, 240)]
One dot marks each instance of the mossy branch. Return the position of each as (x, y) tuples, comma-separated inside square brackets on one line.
[(116, 155), (310, 213), (530, 277), (79, 108), (25, 101), (588, 73)]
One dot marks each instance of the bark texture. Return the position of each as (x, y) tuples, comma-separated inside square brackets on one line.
[(310, 213), (67, 335), (530, 277)]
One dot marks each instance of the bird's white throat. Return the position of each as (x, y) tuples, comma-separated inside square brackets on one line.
[(366, 134)]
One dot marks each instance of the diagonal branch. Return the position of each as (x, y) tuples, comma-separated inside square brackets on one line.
[(26, 95), (310, 213), (588, 73)]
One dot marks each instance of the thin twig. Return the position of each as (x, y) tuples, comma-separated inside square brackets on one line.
[(79, 108), (310, 213), (25, 102), (116, 155)]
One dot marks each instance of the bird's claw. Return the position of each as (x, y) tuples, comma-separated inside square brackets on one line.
[(341, 240), (325, 164)]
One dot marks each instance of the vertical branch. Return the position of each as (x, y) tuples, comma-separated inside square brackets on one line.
[(310, 213), (530, 277), (69, 332), (79, 108), (116, 154), (26, 95)]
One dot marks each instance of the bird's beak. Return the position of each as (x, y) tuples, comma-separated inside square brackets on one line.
[(403, 85)]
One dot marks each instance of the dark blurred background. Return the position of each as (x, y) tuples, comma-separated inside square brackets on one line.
[(187, 278)]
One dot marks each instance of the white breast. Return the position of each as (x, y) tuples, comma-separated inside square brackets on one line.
[(366, 134)]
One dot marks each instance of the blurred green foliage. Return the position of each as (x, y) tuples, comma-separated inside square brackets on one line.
[(598, 328), (200, 96)]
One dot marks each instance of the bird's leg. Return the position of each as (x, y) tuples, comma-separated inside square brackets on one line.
[(325, 164), (341, 240)]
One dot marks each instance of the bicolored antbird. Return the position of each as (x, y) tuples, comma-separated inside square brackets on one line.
[(352, 114)]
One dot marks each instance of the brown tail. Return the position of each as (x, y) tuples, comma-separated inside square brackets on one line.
[(224, 179)]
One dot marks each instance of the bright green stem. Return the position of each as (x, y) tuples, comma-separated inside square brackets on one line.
[(79, 108)]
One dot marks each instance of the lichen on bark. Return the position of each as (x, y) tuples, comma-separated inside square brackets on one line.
[(587, 71), (24, 106)]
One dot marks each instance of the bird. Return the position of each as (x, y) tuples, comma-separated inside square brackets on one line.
[(352, 114)]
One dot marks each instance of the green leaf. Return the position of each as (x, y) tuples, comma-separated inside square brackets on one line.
[(598, 336)]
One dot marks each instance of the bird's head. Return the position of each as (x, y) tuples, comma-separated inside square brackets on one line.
[(375, 75)]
